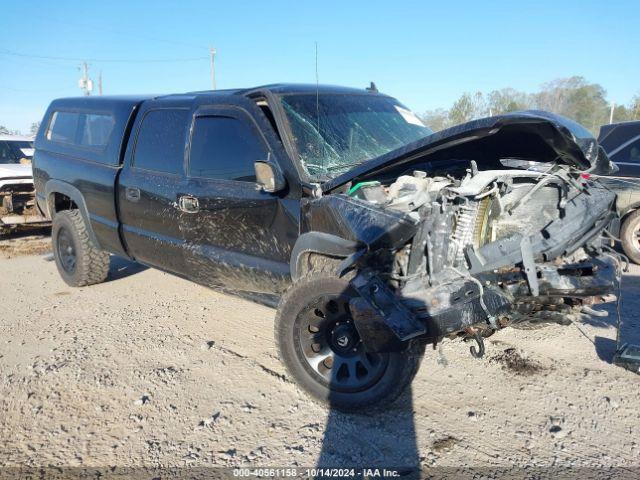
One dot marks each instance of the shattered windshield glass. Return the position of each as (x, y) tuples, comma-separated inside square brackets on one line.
[(335, 132)]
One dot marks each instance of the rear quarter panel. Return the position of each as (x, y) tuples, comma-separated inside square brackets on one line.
[(94, 181)]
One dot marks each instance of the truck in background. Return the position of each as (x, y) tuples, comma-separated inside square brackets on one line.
[(17, 195), (621, 141)]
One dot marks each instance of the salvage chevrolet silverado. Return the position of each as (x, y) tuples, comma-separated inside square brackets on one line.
[(373, 235)]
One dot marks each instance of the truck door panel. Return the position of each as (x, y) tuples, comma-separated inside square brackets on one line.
[(241, 237), (148, 190), (151, 223)]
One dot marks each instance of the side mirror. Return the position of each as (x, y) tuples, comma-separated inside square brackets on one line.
[(269, 176)]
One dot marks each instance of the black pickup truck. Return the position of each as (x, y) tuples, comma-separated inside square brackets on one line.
[(372, 235)]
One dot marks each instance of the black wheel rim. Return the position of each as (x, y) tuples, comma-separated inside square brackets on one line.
[(331, 348), (66, 250)]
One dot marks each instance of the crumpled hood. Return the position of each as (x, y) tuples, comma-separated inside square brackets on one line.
[(11, 170), (543, 136)]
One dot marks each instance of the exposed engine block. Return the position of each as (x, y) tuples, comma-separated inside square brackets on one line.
[(490, 245)]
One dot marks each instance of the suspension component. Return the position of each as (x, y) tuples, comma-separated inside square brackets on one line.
[(463, 233), (480, 351)]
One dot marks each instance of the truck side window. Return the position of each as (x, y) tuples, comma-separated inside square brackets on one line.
[(161, 140), (63, 127), (224, 148), (97, 129), (629, 154), (93, 128)]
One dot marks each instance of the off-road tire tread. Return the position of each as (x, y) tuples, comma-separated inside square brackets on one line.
[(92, 264), (411, 360)]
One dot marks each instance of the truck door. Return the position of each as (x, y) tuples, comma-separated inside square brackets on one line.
[(238, 236), (149, 185)]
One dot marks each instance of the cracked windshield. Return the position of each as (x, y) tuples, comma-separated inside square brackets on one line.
[(333, 133)]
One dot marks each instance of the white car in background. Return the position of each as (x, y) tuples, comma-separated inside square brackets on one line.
[(17, 195)]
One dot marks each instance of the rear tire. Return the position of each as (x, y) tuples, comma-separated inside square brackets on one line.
[(313, 325), (79, 262), (630, 236)]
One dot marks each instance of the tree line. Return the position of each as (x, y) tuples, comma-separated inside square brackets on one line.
[(32, 130), (573, 97)]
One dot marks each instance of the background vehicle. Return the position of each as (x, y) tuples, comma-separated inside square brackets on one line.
[(394, 237), (621, 141), (17, 195)]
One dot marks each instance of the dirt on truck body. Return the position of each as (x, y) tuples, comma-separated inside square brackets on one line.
[(373, 235)]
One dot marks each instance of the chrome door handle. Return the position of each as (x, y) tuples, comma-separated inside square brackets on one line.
[(188, 204)]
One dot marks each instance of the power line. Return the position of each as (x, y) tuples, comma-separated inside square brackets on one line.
[(110, 60), (33, 62)]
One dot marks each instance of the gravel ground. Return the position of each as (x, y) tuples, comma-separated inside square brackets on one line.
[(27, 242), (151, 370)]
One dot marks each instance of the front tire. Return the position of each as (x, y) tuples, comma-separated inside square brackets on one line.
[(79, 262), (630, 236), (322, 350)]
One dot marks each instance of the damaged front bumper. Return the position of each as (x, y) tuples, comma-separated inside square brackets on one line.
[(430, 276), (386, 321)]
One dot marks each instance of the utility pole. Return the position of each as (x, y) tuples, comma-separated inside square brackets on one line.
[(212, 53), (85, 83), (613, 106), (100, 83)]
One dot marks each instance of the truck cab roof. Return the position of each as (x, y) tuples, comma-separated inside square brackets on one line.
[(275, 89), (108, 119), (288, 89)]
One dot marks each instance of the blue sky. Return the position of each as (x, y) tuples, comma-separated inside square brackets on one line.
[(424, 53)]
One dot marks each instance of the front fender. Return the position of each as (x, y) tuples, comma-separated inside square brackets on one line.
[(321, 243)]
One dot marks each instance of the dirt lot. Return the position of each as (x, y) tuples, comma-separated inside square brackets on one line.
[(149, 369), (25, 243)]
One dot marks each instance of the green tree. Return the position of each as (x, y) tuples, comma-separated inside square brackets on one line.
[(577, 99), (634, 108), (508, 100), (588, 106), (626, 113), (6, 131), (437, 119), (468, 107), (572, 97)]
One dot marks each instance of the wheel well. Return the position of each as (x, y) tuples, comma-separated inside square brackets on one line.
[(309, 261), (319, 251), (62, 202), (629, 212)]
